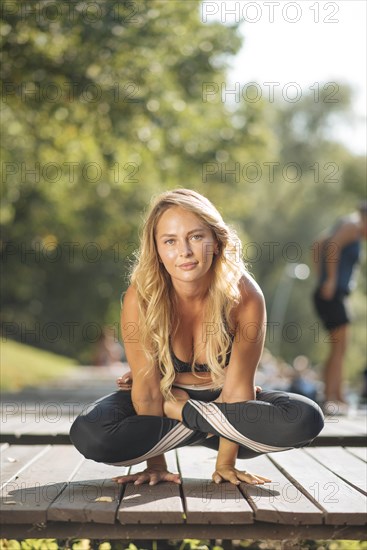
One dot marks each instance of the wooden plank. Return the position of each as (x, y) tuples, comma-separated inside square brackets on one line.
[(279, 501), (158, 504), (360, 452), (205, 501), (11, 424), (29, 439), (335, 440), (335, 428), (17, 431), (349, 425), (62, 426), (91, 495), (14, 458), (341, 503), (343, 464), (26, 498)]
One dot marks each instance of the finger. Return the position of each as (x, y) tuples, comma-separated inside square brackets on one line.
[(123, 479), (141, 479), (173, 477), (154, 479), (252, 478), (263, 478), (266, 479), (217, 478), (249, 478), (234, 480)]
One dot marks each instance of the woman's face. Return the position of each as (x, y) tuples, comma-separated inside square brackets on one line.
[(185, 244)]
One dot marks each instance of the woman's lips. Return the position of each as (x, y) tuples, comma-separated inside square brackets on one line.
[(188, 266)]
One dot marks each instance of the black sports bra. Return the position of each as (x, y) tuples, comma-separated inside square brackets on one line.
[(182, 366)]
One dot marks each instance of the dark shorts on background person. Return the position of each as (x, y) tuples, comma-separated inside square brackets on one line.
[(333, 313)]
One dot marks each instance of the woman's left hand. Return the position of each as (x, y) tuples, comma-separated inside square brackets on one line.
[(125, 382), (231, 474)]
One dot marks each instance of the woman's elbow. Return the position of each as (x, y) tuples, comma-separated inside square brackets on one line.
[(148, 404), (237, 396)]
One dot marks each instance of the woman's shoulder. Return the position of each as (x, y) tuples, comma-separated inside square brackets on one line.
[(129, 298), (249, 288), (252, 300)]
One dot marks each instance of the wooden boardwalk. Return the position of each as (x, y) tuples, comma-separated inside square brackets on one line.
[(52, 491)]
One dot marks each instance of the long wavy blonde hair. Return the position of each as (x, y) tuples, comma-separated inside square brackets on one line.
[(156, 299)]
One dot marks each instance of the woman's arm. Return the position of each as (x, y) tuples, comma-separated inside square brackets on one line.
[(248, 344), (239, 381), (146, 396), (145, 392)]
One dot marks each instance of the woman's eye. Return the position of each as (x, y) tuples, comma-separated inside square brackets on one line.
[(196, 237), (169, 241)]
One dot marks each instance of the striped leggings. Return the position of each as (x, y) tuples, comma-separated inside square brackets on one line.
[(110, 431)]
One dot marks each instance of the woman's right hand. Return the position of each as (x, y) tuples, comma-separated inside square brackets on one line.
[(125, 382), (149, 475)]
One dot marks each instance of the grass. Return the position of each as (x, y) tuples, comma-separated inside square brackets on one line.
[(22, 365)]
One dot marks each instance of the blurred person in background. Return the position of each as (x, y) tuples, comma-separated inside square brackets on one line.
[(336, 253)]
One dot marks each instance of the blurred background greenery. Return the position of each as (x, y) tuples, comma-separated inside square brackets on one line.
[(105, 104)]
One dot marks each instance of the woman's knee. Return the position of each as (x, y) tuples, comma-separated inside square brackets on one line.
[(306, 417), (92, 440)]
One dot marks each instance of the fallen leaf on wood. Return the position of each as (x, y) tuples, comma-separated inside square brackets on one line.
[(103, 499)]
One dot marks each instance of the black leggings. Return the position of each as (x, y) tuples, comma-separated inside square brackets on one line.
[(110, 431)]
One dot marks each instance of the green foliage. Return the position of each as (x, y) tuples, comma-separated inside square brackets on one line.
[(105, 112), (103, 108)]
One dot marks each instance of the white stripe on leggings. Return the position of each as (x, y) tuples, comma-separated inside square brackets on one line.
[(212, 414), (177, 435)]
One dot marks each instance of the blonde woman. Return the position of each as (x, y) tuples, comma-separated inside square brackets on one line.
[(193, 326)]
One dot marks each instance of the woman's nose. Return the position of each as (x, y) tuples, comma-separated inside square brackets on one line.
[(185, 249)]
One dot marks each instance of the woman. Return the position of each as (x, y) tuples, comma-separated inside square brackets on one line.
[(193, 326)]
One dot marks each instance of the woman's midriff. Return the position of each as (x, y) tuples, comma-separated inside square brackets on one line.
[(191, 379)]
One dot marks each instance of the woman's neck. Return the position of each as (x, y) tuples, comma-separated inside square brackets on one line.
[(187, 295)]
